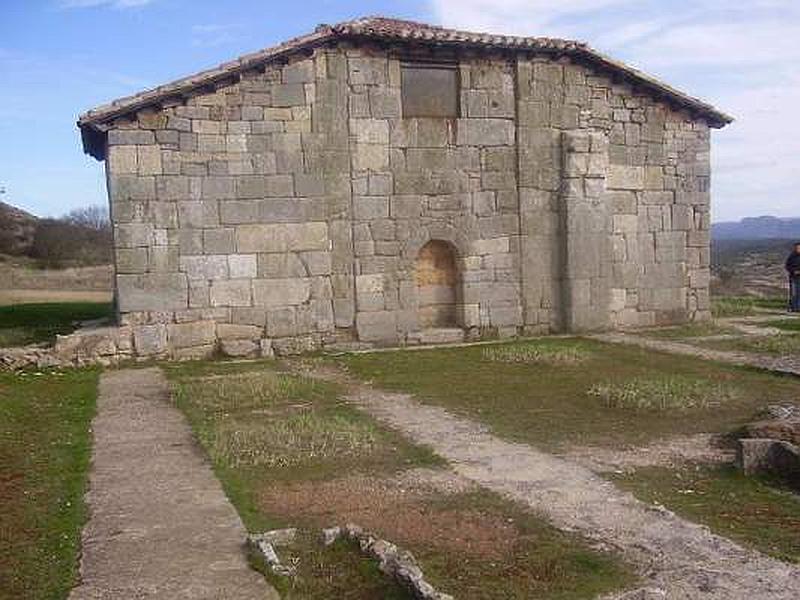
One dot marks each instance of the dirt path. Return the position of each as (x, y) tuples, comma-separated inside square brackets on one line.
[(666, 452), (677, 559), (789, 365), (160, 525)]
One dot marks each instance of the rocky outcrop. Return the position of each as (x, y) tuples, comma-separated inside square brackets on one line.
[(770, 457), (772, 446)]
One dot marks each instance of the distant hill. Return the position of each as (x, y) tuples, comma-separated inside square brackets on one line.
[(17, 230), (757, 228)]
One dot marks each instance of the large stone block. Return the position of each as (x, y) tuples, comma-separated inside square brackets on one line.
[(242, 266), (131, 260), (152, 291), (379, 326), (122, 160), (367, 70), (298, 72), (374, 157), (486, 132), (284, 237), (232, 331), (231, 292), (241, 348), (281, 322), (281, 292), (213, 266), (150, 340), (218, 241), (131, 235), (370, 131), (149, 160), (624, 177), (189, 335), (198, 214), (367, 208), (288, 94)]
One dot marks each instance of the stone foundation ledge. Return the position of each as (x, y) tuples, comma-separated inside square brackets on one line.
[(107, 346)]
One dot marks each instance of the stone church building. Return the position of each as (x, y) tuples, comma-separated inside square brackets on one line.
[(384, 181)]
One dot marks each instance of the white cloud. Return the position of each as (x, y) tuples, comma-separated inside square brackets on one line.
[(111, 3), (209, 36), (741, 56)]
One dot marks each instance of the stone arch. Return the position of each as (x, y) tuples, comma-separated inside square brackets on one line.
[(437, 280)]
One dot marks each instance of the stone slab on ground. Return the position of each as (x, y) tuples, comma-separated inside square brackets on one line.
[(677, 559), (160, 525)]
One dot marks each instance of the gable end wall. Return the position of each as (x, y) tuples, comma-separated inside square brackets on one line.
[(287, 209)]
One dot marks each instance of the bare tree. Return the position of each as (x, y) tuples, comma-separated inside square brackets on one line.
[(92, 217), (81, 237)]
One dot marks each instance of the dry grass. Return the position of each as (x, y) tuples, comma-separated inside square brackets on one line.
[(291, 440), (665, 394), (786, 344), (268, 419), (538, 353)]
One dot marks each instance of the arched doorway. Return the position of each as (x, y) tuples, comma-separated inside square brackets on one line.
[(437, 285)]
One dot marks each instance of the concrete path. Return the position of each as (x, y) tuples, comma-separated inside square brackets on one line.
[(160, 525), (677, 559), (789, 365)]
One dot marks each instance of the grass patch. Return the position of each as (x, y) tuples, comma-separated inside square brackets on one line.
[(549, 405), (539, 562), (749, 510), (668, 393), (22, 324), (345, 571), (337, 465), (537, 352), (215, 399), (744, 306), (45, 448), (691, 330), (792, 325), (773, 345)]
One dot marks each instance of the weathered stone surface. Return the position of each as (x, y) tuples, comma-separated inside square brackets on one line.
[(240, 348), (786, 430), (287, 193), (150, 340), (378, 326), (231, 292), (768, 456), (152, 291), (189, 335), (281, 292), (282, 238)]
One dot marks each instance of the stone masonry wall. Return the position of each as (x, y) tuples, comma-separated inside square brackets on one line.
[(422, 179), (655, 187), (232, 214), (287, 208)]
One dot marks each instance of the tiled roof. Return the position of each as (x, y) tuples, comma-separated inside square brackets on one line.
[(381, 28)]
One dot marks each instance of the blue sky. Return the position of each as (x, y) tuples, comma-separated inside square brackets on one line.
[(61, 57)]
